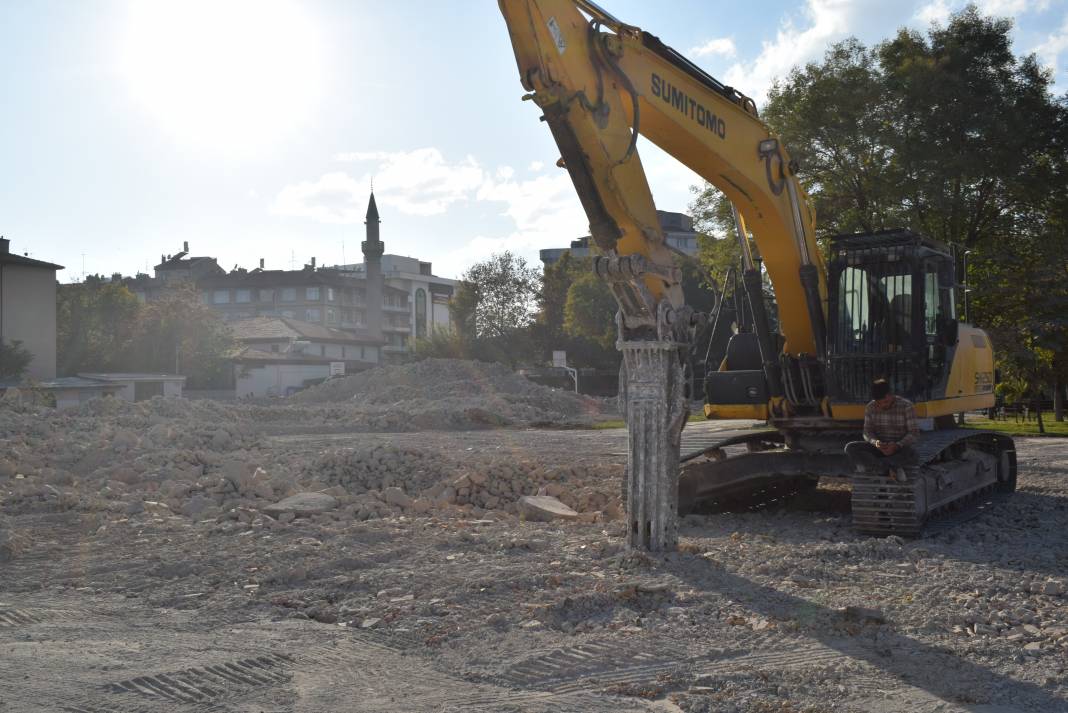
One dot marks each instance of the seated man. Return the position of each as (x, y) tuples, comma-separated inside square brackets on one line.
[(890, 430)]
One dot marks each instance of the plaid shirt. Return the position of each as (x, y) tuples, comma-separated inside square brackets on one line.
[(896, 424)]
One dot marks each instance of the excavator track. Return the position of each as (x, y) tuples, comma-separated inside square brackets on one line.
[(962, 473)]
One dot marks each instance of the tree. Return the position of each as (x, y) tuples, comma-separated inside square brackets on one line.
[(178, 333), (14, 359), (556, 280), (590, 311), (950, 134), (101, 326), (95, 321), (504, 291)]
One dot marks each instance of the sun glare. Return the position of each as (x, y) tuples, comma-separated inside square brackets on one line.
[(225, 75)]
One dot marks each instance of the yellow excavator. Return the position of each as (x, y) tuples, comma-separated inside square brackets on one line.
[(882, 306)]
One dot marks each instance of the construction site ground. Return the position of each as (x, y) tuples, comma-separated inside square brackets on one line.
[(778, 610)]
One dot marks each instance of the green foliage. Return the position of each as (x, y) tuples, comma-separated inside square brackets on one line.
[(14, 359), (590, 311), (950, 134), (95, 321), (101, 326), (556, 280), (503, 291), (180, 334)]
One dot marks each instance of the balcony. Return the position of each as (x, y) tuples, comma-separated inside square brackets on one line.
[(401, 328)]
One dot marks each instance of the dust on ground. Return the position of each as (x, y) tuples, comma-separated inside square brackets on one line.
[(150, 562)]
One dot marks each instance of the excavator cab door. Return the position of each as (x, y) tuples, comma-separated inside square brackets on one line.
[(891, 315)]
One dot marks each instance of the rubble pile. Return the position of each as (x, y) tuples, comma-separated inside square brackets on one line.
[(428, 480), (479, 392), (208, 460)]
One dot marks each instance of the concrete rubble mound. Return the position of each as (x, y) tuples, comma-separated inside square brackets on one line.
[(205, 460), (480, 390)]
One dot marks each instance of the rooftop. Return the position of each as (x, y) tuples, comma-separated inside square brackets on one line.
[(9, 258), (63, 382), (132, 376), (276, 328)]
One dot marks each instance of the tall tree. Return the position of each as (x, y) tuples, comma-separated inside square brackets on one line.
[(590, 311), (95, 321), (506, 290), (178, 333)]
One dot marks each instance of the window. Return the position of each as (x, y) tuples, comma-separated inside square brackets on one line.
[(289, 294), (266, 295), (420, 313), (331, 316), (242, 295), (311, 294), (852, 308), (331, 296), (221, 297), (312, 315), (274, 347), (288, 313), (205, 297)]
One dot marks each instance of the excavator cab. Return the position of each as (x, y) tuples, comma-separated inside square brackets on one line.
[(892, 315)]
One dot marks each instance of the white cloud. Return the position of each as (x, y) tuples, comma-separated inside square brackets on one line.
[(418, 182), (828, 21), (1011, 8), (333, 198), (1052, 48), (545, 213), (536, 166), (720, 46), (544, 210), (936, 12)]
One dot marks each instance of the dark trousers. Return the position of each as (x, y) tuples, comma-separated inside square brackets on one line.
[(865, 455)]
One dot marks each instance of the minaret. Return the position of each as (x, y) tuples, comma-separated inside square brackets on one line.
[(373, 248)]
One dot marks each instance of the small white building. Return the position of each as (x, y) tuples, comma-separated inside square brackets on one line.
[(280, 356), (140, 387), (67, 391)]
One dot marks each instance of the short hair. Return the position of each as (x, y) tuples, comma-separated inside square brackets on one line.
[(879, 389)]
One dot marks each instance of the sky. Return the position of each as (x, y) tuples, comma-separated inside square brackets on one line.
[(254, 128)]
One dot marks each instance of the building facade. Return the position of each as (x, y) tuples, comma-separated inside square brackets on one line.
[(426, 305), (678, 235), (279, 356), (28, 308), (387, 299)]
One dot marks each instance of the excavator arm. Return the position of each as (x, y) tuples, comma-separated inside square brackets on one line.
[(599, 84)]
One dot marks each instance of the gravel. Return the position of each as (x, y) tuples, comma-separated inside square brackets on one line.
[(419, 541)]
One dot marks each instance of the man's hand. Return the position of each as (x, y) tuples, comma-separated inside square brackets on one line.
[(888, 449)]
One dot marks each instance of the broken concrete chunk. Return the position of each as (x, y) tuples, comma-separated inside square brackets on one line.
[(864, 614), (303, 504), (544, 508), (397, 497)]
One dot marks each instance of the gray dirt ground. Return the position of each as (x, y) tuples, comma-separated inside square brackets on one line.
[(151, 610)]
